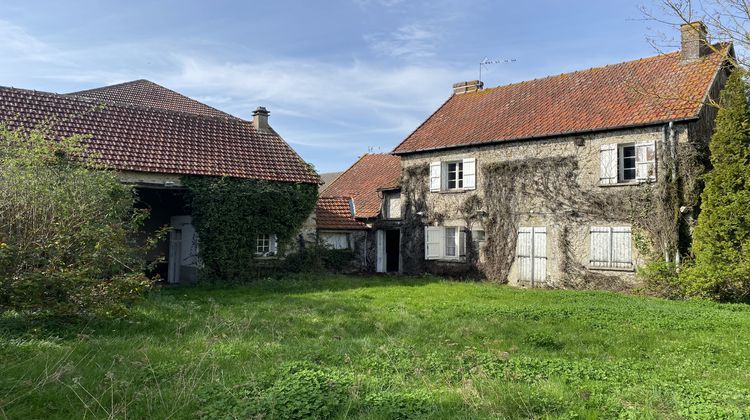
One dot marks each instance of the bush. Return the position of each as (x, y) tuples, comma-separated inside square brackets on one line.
[(67, 228), (661, 279), (318, 258)]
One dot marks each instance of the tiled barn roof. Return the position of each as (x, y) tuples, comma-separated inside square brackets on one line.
[(147, 139)]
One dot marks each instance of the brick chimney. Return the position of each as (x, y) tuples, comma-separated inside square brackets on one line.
[(260, 118), (466, 87), (694, 44)]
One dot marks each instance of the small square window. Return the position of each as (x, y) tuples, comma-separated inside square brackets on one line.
[(477, 235), (263, 244)]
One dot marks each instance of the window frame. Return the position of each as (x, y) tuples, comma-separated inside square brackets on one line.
[(459, 171), (621, 163), (262, 244)]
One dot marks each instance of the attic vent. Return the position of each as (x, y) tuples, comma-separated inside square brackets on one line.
[(467, 87)]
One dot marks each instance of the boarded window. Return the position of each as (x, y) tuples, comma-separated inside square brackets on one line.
[(611, 248), (393, 206)]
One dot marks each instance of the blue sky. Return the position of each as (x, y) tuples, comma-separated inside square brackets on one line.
[(340, 78)]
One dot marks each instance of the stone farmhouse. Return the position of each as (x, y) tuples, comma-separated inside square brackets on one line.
[(361, 210), (153, 136), (569, 180)]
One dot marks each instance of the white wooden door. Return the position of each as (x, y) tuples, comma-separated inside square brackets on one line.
[(175, 256), (531, 255), (380, 245)]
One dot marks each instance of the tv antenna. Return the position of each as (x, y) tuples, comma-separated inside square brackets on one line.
[(486, 62)]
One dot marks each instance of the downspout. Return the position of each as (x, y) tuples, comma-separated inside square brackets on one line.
[(675, 167)]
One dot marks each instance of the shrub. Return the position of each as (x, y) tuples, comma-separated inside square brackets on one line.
[(67, 226), (722, 235), (318, 258), (661, 279)]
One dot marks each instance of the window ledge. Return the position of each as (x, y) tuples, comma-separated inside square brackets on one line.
[(626, 184), (627, 270), (452, 191)]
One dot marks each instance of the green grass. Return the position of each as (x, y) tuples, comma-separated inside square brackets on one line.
[(383, 348)]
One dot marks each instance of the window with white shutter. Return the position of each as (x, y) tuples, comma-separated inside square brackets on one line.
[(435, 170), (628, 162), (611, 247), (433, 242)]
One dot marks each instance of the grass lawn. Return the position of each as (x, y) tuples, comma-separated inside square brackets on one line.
[(380, 347)]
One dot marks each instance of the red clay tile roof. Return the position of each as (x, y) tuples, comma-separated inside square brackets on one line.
[(335, 213), (132, 138), (149, 94), (362, 181), (641, 92)]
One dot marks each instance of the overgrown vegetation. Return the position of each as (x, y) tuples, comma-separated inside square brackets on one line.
[(67, 225), (368, 347), (230, 213)]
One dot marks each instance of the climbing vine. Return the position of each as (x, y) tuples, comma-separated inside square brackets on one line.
[(415, 191), (230, 213)]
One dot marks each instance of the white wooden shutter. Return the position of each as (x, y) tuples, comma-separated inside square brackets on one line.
[(621, 248), (470, 177), (608, 164), (435, 169), (380, 259), (462, 242), (645, 161), (600, 246), (433, 242), (539, 238), (524, 253), (272, 244)]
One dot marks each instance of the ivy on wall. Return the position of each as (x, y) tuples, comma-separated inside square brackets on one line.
[(229, 214)]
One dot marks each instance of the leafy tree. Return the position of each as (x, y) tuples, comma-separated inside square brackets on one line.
[(67, 226), (722, 235)]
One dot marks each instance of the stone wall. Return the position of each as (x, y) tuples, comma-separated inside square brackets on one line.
[(444, 208)]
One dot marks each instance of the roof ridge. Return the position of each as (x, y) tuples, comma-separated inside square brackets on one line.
[(82, 93), (717, 45), (129, 105), (342, 174)]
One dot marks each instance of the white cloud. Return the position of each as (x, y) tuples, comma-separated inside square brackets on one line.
[(18, 44), (414, 40)]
